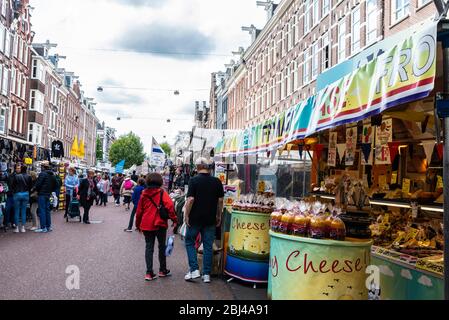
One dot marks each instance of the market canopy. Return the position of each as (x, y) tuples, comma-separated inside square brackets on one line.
[(400, 75)]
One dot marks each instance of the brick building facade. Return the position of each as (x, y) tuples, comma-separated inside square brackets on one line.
[(304, 38)]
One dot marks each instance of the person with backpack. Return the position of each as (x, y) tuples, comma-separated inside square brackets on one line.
[(45, 185), (21, 185), (116, 184), (153, 211), (126, 191), (135, 199)]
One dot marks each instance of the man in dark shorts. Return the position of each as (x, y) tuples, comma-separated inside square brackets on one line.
[(203, 212)]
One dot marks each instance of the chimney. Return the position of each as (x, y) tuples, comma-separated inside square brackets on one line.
[(269, 7)]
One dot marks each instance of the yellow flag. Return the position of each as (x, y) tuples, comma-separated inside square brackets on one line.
[(81, 150), (75, 149)]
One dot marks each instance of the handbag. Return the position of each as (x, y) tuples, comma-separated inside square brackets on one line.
[(163, 211), (170, 246)]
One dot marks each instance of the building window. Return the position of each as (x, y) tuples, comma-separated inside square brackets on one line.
[(36, 101), (295, 31), (355, 31), (315, 12), (315, 60), (401, 8), (35, 133), (306, 16), (294, 75), (326, 7), (2, 120), (8, 44), (422, 3), (5, 82), (3, 35), (341, 41), (3, 3), (371, 19), (306, 67), (325, 52)]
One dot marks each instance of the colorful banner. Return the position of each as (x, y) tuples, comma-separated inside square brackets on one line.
[(403, 74), (311, 269)]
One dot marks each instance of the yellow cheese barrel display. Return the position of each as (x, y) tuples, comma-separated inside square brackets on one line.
[(317, 269), (248, 249)]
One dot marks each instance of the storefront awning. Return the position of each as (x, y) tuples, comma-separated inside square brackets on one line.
[(403, 74)]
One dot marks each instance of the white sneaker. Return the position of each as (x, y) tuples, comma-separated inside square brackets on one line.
[(16, 230), (33, 228), (22, 229), (206, 278), (192, 275)]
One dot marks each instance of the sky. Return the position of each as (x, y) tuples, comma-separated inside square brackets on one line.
[(147, 48)]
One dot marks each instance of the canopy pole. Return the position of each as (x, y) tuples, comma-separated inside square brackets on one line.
[(446, 173)]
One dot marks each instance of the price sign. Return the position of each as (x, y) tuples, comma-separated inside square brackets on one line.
[(406, 185), (439, 182), (394, 178)]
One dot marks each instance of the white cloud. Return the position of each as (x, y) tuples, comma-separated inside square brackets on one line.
[(385, 270), (84, 28), (406, 274), (425, 281)]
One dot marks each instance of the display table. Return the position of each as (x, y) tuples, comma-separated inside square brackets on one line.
[(311, 269), (402, 277), (248, 250)]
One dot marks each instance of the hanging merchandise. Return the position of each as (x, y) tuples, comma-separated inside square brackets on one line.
[(57, 149), (341, 148), (384, 134), (367, 139), (428, 146), (332, 153), (351, 143), (318, 148), (393, 147)]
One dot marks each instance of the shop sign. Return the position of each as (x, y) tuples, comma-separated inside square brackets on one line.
[(404, 73), (301, 270)]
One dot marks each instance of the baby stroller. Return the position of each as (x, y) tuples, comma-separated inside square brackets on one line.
[(74, 209)]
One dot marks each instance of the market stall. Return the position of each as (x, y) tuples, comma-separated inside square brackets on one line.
[(376, 150)]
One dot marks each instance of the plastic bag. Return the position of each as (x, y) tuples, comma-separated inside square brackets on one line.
[(170, 246)]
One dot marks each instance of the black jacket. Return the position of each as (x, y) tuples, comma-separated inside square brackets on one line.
[(20, 183), (46, 183), (83, 192)]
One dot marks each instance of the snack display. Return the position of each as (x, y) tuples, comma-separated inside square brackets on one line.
[(260, 203), (308, 219)]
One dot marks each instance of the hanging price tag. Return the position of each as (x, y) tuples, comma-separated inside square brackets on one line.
[(394, 178), (439, 182), (405, 185)]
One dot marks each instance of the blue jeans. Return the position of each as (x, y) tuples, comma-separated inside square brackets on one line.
[(208, 237), (21, 200), (44, 211), (9, 210)]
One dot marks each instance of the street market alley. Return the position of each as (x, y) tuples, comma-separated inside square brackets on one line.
[(111, 264)]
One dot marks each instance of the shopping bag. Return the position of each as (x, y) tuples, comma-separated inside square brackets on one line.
[(183, 230), (170, 246)]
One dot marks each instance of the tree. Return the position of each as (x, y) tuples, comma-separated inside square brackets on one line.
[(128, 148), (99, 150), (167, 149)]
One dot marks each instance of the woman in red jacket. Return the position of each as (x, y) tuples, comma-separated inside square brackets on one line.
[(152, 225)]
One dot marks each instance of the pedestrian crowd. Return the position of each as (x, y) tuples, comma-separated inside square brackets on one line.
[(152, 208)]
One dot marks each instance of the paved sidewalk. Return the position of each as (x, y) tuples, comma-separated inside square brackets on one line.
[(111, 263)]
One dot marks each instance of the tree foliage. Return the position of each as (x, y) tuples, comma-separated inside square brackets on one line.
[(99, 150), (128, 148), (167, 149)]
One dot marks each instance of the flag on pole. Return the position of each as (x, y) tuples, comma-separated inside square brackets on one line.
[(75, 148), (157, 154), (81, 150), (120, 167)]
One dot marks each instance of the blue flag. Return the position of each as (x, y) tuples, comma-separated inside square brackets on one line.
[(120, 167)]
